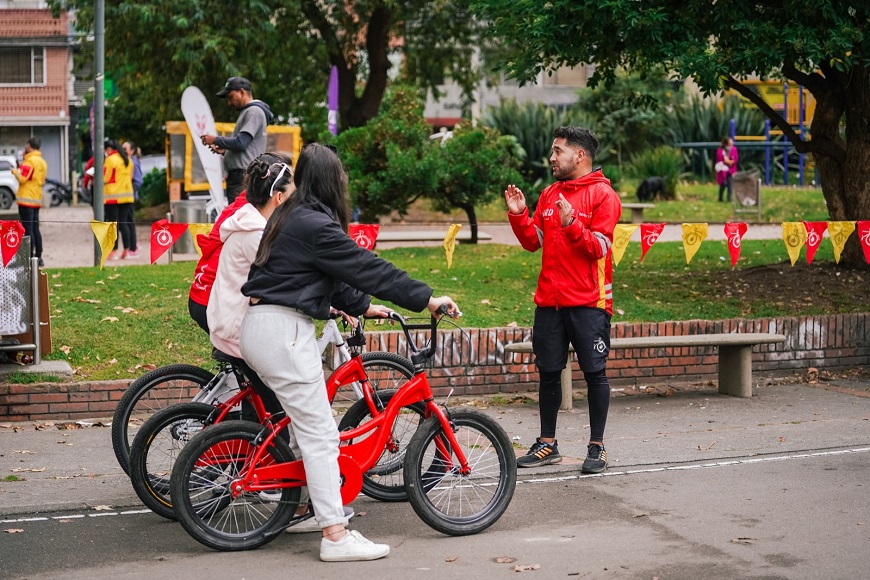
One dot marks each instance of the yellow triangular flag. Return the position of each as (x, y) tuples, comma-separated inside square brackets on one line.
[(839, 233), (621, 236), (195, 230), (106, 234), (693, 235), (794, 234), (450, 242)]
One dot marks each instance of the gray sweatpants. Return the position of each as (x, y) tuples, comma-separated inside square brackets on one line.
[(280, 344)]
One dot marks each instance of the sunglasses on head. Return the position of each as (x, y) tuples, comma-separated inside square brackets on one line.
[(284, 168)]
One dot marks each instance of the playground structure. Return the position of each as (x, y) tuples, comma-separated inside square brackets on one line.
[(797, 106)]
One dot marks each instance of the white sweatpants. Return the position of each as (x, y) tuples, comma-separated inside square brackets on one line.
[(280, 344)]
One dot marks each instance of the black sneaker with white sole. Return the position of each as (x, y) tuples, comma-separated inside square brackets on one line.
[(540, 454), (596, 459)]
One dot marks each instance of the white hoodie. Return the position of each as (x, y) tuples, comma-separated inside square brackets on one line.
[(240, 234)]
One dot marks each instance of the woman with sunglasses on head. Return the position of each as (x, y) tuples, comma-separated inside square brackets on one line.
[(307, 262)]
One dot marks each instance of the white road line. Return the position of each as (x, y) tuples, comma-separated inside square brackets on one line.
[(697, 466), (727, 463)]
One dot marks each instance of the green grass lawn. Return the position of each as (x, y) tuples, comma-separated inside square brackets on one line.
[(120, 321)]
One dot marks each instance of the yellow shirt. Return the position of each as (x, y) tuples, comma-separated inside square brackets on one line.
[(31, 177), (118, 184)]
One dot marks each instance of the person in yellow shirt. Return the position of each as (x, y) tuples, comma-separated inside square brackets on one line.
[(31, 177), (118, 198)]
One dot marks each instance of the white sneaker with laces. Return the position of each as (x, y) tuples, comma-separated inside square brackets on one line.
[(311, 525), (351, 548)]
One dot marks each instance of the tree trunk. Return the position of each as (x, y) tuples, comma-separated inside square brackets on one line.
[(845, 177), (356, 111), (472, 221)]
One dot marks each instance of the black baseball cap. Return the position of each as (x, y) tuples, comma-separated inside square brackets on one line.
[(235, 84)]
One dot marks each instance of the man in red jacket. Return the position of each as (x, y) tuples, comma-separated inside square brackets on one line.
[(573, 225)]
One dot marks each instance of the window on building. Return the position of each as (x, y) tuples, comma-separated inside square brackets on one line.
[(567, 76), (22, 65)]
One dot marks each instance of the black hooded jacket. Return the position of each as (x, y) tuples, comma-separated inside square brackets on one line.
[(314, 264)]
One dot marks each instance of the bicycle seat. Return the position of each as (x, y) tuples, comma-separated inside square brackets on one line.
[(221, 356)]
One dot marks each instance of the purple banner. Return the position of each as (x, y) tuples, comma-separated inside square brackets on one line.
[(332, 101)]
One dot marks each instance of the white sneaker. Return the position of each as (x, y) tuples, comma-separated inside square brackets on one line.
[(311, 525), (351, 548)]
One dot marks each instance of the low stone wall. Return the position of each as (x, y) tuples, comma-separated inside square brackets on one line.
[(473, 362)]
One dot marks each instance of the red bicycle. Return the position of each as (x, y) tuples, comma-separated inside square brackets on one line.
[(161, 438), (459, 468)]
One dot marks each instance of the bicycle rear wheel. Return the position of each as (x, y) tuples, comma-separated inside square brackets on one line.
[(385, 480), (444, 498), (201, 494), (155, 448), (152, 392)]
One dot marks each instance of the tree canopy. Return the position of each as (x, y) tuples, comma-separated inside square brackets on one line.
[(156, 48), (823, 45)]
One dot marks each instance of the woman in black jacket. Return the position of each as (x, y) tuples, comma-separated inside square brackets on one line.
[(305, 264)]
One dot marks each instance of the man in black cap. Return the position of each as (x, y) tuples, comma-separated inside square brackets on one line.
[(249, 136)]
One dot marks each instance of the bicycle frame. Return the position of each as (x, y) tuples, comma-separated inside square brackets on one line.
[(355, 458)]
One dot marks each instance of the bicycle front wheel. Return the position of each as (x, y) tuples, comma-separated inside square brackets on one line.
[(155, 448), (201, 494), (449, 501), (385, 481), (152, 392)]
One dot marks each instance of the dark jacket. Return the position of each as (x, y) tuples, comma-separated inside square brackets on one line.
[(314, 264)]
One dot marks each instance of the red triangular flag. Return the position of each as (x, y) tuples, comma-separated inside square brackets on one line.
[(10, 238), (649, 233), (163, 234), (864, 238), (815, 230), (734, 234), (365, 235)]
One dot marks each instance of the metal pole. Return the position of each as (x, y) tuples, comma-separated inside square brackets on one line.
[(785, 141), (34, 309), (169, 251), (99, 115), (767, 152), (801, 133)]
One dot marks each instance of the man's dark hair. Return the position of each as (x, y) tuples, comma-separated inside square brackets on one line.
[(35, 142), (579, 137)]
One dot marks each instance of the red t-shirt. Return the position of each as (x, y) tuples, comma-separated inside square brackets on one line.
[(211, 246)]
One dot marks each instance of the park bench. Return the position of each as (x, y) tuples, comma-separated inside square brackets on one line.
[(735, 356), (637, 210)]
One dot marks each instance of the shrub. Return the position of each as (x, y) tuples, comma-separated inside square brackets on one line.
[(662, 161), (613, 173), (153, 190)]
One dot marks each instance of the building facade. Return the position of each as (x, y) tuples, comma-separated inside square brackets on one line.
[(36, 87)]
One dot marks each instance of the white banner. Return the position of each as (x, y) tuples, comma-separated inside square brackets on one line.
[(200, 121)]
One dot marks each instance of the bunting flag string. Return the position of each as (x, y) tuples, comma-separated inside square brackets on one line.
[(450, 242), (621, 237), (365, 235), (693, 235), (106, 234), (734, 232), (649, 234), (11, 233)]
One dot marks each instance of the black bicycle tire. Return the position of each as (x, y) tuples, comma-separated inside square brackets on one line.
[(153, 493), (134, 393), (418, 488), (191, 517), (359, 413)]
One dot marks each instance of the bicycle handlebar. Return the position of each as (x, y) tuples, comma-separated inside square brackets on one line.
[(420, 356)]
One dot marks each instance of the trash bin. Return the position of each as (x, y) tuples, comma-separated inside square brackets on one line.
[(188, 211)]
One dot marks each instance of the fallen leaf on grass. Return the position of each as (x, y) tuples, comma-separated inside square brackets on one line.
[(65, 349), (14, 531), (524, 567), (87, 300), (149, 367), (109, 318)]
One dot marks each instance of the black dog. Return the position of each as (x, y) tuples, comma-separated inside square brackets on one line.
[(650, 187)]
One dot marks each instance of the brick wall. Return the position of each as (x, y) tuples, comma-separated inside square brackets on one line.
[(473, 362)]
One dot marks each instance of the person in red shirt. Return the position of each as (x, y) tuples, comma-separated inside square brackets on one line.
[(573, 226)]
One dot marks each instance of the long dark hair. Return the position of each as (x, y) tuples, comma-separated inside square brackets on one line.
[(112, 144), (267, 174), (320, 179)]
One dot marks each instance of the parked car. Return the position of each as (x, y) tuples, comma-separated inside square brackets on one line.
[(8, 182)]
